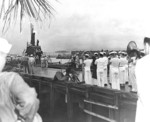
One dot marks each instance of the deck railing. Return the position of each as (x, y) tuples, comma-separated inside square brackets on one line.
[(72, 102)]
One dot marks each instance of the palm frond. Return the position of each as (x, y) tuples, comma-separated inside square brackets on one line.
[(34, 9)]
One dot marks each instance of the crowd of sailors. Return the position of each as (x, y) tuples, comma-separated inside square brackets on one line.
[(112, 70)]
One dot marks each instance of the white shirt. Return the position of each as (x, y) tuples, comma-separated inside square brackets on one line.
[(106, 61), (123, 61), (42, 58), (31, 59), (87, 63), (100, 62), (115, 62)]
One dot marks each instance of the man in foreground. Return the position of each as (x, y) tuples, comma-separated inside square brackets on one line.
[(18, 101)]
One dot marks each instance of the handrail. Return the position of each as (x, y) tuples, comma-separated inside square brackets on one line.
[(100, 104), (99, 116)]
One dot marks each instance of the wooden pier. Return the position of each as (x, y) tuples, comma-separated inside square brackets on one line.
[(72, 102)]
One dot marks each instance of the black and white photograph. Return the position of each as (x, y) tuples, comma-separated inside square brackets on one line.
[(74, 60)]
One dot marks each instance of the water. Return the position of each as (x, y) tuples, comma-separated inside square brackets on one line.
[(62, 61)]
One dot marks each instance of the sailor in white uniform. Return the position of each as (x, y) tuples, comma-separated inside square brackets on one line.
[(132, 63), (100, 62), (94, 69), (42, 61), (114, 71), (105, 68), (142, 72), (31, 63), (127, 68), (87, 71), (77, 60), (123, 75)]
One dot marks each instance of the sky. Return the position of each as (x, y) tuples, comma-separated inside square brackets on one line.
[(86, 25)]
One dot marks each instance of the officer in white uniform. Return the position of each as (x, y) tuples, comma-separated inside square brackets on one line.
[(105, 68), (87, 71), (142, 72), (100, 62), (132, 63), (123, 69), (114, 71)]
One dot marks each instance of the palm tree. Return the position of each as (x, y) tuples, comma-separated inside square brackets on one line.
[(34, 9)]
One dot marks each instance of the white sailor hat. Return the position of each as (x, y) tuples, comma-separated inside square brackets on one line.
[(101, 53), (4, 46), (123, 52), (95, 53), (113, 52), (87, 54), (120, 52)]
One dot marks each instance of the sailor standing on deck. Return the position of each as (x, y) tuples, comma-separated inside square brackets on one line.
[(114, 71), (132, 63), (142, 72), (77, 60), (26, 64), (46, 61), (123, 78), (94, 69), (100, 62), (31, 63), (105, 68), (42, 61), (87, 71)]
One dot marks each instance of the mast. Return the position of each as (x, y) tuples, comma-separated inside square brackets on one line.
[(32, 35)]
